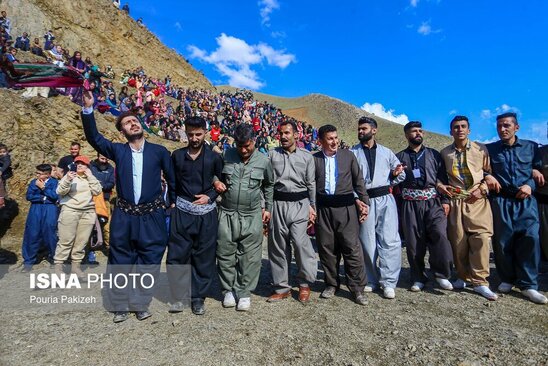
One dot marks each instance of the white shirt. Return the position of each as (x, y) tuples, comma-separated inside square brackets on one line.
[(137, 169), (136, 165), (330, 176)]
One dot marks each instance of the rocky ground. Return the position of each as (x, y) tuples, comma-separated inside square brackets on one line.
[(429, 328)]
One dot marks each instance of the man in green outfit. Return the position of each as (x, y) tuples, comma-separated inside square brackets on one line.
[(248, 183)]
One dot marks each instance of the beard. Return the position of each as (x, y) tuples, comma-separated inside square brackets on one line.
[(365, 138), (416, 141), (134, 137), (195, 144)]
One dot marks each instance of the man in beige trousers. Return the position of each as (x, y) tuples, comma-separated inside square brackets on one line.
[(470, 221)]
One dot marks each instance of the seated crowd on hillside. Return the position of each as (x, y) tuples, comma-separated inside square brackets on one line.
[(161, 105)]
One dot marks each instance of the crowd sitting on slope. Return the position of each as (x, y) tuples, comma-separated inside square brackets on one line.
[(161, 105)]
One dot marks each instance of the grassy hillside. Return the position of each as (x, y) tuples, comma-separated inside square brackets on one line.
[(320, 109)]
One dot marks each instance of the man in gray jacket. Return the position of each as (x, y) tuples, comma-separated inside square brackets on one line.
[(378, 234), (292, 212)]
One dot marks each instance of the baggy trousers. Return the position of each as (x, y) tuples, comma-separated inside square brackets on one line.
[(288, 225), (516, 241), (337, 234), (137, 244), (469, 229), (381, 242), (543, 213), (41, 227), (192, 241), (425, 227), (75, 227), (239, 254)]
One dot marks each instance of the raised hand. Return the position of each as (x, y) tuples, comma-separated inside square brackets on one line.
[(87, 99)]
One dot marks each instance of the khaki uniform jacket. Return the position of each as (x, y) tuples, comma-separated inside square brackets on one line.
[(250, 186)]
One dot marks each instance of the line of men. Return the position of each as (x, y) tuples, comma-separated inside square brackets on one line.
[(345, 194)]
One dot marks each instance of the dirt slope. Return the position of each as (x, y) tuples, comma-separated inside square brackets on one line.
[(107, 35)]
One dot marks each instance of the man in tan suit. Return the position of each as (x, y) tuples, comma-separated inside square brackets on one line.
[(470, 221)]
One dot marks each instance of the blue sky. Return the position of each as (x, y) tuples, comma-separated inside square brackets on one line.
[(401, 59)]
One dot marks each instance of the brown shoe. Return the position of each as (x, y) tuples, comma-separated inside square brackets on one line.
[(276, 296), (304, 293)]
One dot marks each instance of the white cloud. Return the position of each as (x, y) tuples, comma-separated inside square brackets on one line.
[(378, 110), (488, 113), (266, 7), (426, 29), (278, 34), (275, 57), (414, 3), (537, 131), (452, 112), (242, 77), (234, 57), (489, 140), (178, 26), (485, 114)]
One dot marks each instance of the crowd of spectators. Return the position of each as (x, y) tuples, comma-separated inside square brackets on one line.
[(160, 105)]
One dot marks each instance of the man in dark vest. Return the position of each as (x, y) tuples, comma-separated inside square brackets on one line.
[(424, 210), (340, 212), (194, 224)]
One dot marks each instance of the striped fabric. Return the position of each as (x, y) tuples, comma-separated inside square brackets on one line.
[(460, 167), (43, 74)]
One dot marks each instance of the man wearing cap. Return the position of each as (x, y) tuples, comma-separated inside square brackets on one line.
[(41, 224), (380, 240), (515, 211), (293, 211), (138, 232), (424, 210), (77, 218)]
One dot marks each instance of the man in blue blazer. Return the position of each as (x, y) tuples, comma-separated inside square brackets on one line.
[(138, 232)]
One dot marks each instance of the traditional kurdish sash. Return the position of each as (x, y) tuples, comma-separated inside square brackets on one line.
[(140, 209), (410, 194), (192, 209)]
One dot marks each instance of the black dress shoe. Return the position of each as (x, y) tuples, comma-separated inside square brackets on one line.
[(142, 315), (120, 316), (198, 306)]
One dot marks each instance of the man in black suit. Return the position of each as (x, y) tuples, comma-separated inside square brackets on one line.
[(138, 232), (342, 204)]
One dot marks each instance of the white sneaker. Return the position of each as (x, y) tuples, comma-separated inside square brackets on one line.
[(444, 283), (417, 287), (229, 301), (505, 287), (370, 288), (535, 296), (459, 284), (244, 304), (389, 293), (486, 292)]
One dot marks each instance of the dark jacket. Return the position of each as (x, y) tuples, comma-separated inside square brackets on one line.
[(349, 179), (105, 175), (156, 160)]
